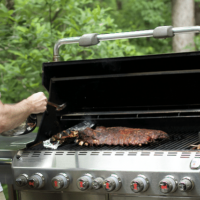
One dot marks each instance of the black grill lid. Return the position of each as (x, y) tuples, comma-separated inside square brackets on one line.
[(170, 79), (149, 63), (119, 84)]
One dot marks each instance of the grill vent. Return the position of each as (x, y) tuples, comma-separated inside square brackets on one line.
[(59, 153), (82, 153), (145, 153), (132, 153), (48, 153), (95, 153), (158, 154), (25, 154), (119, 153), (197, 155), (107, 153), (172, 154), (70, 153), (36, 154), (185, 155)]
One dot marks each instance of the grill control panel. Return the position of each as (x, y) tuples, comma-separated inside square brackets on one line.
[(113, 183), (136, 173)]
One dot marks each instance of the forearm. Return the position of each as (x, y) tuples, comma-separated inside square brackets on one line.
[(12, 116)]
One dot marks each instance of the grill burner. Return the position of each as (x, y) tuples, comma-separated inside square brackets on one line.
[(180, 139)]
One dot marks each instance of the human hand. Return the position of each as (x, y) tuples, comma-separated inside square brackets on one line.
[(37, 103)]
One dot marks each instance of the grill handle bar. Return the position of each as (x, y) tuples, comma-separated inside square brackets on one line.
[(5, 161), (163, 31)]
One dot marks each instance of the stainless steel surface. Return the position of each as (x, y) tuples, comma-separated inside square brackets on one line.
[(168, 185), (150, 164), (21, 180), (186, 184), (8, 149), (36, 181), (12, 195), (125, 197), (10, 145), (60, 181), (134, 112), (97, 183), (115, 36), (58, 107), (31, 195), (112, 183), (84, 182), (5, 161), (139, 184)]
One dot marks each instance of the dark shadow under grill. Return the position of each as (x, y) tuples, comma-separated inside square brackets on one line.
[(180, 139)]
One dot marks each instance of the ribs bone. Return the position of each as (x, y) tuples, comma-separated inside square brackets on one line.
[(55, 141), (111, 136)]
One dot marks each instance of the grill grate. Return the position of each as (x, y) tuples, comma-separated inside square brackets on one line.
[(181, 139)]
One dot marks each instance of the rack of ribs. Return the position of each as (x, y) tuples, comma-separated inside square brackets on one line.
[(111, 136)]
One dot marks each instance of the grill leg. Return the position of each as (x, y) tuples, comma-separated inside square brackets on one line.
[(12, 195)]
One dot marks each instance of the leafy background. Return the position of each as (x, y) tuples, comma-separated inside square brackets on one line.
[(30, 28)]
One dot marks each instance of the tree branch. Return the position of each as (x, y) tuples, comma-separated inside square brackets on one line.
[(56, 15)]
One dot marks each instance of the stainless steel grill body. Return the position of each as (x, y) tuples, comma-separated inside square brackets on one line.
[(139, 92), (126, 164)]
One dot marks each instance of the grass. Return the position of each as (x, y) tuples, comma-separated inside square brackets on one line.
[(5, 190)]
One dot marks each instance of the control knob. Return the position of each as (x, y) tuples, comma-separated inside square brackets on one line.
[(21, 180), (139, 184), (84, 182), (168, 184), (111, 183), (36, 181), (60, 181), (186, 184), (97, 183)]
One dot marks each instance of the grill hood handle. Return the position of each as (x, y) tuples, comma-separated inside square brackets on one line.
[(94, 38)]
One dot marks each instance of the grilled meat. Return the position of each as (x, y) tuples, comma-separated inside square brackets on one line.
[(112, 136)]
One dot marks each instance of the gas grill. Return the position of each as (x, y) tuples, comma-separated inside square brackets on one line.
[(155, 92)]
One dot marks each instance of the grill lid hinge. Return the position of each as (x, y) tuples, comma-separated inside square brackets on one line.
[(88, 40)]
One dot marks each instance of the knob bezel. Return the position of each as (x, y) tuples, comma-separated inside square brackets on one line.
[(101, 183), (173, 179), (189, 179), (43, 180), (89, 178), (145, 179), (26, 177), (64, 185), (117, 186)]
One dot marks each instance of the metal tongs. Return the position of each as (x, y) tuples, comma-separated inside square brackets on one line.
[(58, 107)]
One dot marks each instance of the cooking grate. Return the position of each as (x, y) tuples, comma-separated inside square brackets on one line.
[(180, 139)]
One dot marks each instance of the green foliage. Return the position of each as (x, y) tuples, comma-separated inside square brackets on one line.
[(143, 15), (30, 28), (5, 190)]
